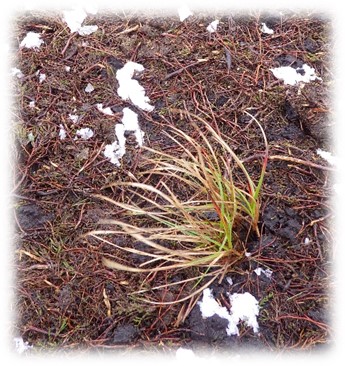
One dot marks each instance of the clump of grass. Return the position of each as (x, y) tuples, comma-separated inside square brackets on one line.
[(193, 214)]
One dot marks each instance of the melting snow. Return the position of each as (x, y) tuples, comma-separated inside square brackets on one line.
[(265, 29), (31, 137), (74, 19), (267, 272), (113, 153), (106, 111), (130, 88), (120, 135), (243, 307), (327, 156), (229, 281), (212, 27), (73, 117), (32, 40), (85, 133), (16, 72), (130, 122), (20, 345), (306, 241), (87, 30), (184, 12), (89, 88), (117, 149), (292, 76), (62, 132), (41, 77)]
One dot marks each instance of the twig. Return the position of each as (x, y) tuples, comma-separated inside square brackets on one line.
[(291, 160), (300, 161), (318, 324), (129, 30), (185, 68), (68, 42)]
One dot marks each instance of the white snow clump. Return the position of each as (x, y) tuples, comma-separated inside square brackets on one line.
[(212, 27), (32, 40), (73, 117), (89, 88), (265, 29), (243, 307), (328, 157), (131, 123), (74, 19), (130, 88), (20, 345), (41, 77), (86, 30), (16, 72), (117, 149), (84, 133), (267, 272), (184, 12), (106, 111), (62, 132), (292, 76)]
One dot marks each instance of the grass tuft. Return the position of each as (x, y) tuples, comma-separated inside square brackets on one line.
[(194, 214)]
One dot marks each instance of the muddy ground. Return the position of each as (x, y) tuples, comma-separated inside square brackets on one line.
[(66, 298)]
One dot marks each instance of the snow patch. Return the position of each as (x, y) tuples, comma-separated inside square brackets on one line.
[(327, 156), (32, 40), (112, 152), (184, 12), (130, 89), (31, 137), (74, 118), (62, 132), (84, 133), (74, 20), (41, 77), (267, 272), (243, 307), (229, 280), (212, 27), (20, 345), (32, 104), (131, 123), (86, 30), (265, 29), (89, 88), (106, 110), (292, 76), (117, 149), (16, 72)]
